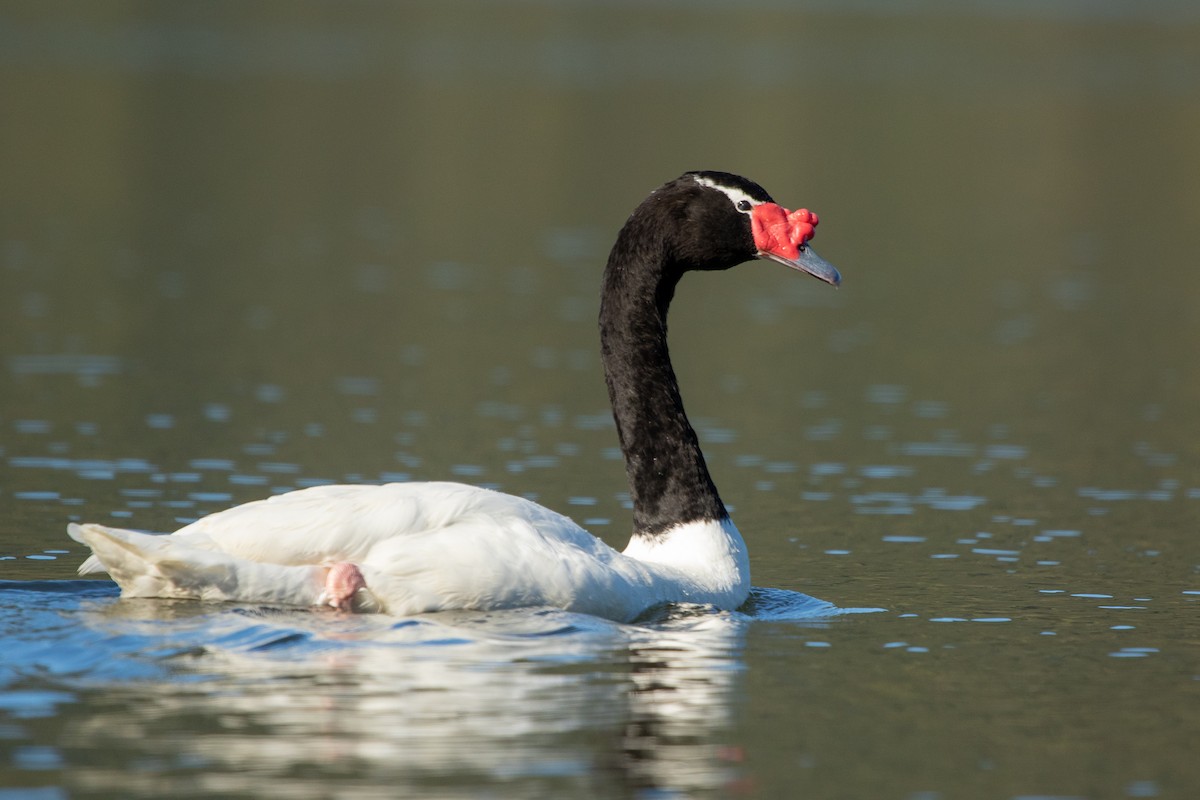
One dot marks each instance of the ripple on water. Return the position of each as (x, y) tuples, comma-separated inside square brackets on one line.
[(217, 412), (32, 703), (91, 468), (901, 503), (823, 431), (212, 464), (357, 386), (160, 421), (884, 471), (1051, 535), (993, 551), (248, 480), (934, 449), (782, 604), (886, 394), (36, 495), (1134, 652), (1006, 451), (211, 497), (930, 409), (89, 366)]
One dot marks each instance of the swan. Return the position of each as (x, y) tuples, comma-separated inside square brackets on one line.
[(409, 548)]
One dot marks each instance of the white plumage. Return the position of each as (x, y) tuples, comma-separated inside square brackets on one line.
[(420, 547)]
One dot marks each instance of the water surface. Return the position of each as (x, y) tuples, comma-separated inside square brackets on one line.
[(249, 249)]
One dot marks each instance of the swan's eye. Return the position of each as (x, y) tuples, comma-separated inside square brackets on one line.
[(743, 205)]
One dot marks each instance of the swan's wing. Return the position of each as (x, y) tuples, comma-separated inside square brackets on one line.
[(343, 523)]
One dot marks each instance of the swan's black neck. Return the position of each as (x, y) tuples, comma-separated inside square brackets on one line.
[(668, 478)]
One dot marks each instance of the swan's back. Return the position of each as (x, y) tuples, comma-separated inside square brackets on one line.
[(347, 523)]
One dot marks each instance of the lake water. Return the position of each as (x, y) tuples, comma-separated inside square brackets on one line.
[(248, 248)]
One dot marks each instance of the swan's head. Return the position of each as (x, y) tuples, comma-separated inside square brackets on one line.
[(724, 219)]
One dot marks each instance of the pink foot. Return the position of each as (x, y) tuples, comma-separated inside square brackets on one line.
[(341, 584)]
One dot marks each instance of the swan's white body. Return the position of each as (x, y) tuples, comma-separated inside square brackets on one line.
[(421, 547)]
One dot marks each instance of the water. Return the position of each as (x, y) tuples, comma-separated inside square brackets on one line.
[(265, 702), (250, 249)]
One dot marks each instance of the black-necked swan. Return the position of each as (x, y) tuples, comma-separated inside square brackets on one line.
[(407, 548)]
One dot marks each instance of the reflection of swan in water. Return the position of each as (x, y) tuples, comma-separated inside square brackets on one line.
[(678, 706), (292, 705)]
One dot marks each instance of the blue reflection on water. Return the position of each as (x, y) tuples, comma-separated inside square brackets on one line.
[(78, 655), (80, 632)]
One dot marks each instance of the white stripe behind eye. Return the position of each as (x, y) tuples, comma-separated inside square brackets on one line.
[(735, 195)]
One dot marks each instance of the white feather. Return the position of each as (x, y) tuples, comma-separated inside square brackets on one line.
[(421, 547), (734, 194)]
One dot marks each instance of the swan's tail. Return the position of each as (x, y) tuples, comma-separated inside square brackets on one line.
[(146, 565), (91, 534), (131, 558)]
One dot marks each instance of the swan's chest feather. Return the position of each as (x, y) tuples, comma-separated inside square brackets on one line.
[(709, 556)]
